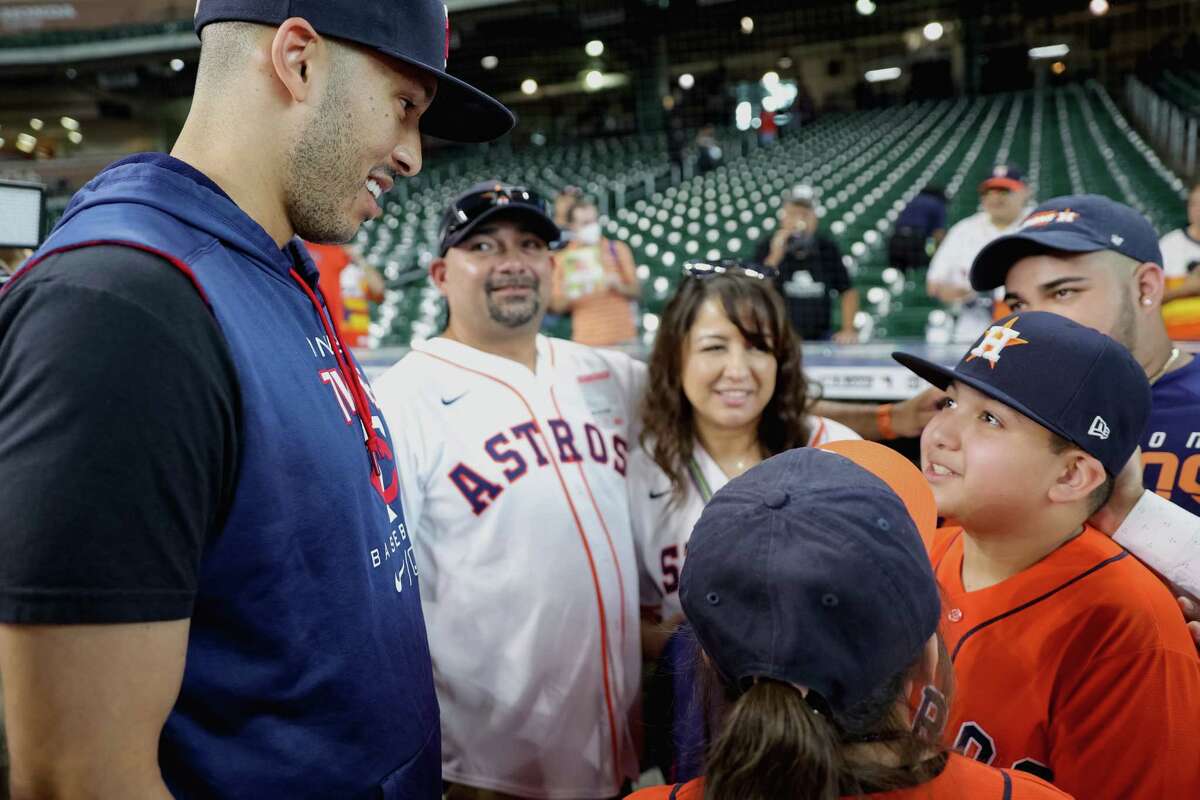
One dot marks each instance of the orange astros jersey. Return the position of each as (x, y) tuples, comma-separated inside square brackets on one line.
[(1079, 670), (962, 779)]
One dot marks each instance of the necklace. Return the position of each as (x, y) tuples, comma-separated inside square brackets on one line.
[(1162, 370)]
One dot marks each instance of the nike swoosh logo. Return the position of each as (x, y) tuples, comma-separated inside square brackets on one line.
[(656, 495), (399, 583), (453, 400)]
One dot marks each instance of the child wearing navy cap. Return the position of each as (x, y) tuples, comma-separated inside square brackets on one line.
[(810, 592), (1072, 660)]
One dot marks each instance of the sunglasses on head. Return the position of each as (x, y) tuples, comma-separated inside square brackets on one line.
[(468, 209), (708, 269)]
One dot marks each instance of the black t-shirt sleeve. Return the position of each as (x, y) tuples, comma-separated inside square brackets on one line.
[(839, 277), (119, 437), (762, 250)]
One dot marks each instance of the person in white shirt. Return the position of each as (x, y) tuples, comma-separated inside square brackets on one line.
[(725, 391), (513, 450), (1004, 198), (1181, 265)]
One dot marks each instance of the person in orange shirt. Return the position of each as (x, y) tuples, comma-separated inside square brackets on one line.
[(1072, 660), (810, 592), (595, 281)]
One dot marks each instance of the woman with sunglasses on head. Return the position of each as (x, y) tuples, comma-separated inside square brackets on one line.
[(725, 391), (826, 685)]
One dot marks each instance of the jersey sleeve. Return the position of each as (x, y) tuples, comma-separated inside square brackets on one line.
[(946, 259), (1126, 727), (643, 511), (119, 437), (826, 430), (1166, 538)]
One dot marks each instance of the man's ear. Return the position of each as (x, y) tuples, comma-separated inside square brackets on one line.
[(437, 273), (1081, 475), (1150, 282), (295, 48)]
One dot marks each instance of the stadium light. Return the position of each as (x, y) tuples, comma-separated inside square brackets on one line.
[(489, 62), (785, 62), (686, 81), (884, 74), (529, 86), (593, 80), (594, 48), (177, 65), (865, 7), (75, 136), (1058, 67), (69, 123), (742, 115), (26, 143), (1049, 51), (36, 124), (933, 31), (770, 78), (1098, 7), (747, 25)]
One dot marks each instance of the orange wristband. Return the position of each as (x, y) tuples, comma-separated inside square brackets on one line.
[(883, 421)]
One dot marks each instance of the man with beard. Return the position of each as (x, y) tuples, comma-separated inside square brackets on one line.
[(206, 583), (1098, 263), (512, 451)]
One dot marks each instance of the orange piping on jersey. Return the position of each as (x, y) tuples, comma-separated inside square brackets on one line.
[(604, 525), (612, 719), (1035, 601), (815, 439)]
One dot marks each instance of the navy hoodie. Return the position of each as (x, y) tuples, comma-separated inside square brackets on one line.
[(308, 671)]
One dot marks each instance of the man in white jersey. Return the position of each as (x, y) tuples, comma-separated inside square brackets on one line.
[(513, 451)]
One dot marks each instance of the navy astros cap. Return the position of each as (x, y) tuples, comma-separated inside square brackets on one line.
[(1080, 223), (416, 32), (1070, 379), (774, 582), (486, 200), (1004, 176)]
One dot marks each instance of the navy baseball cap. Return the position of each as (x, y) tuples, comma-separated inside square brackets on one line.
[(1080, 223), (484, 201), (416, 32), (1004, 176), (773, 584), (1068, 378)]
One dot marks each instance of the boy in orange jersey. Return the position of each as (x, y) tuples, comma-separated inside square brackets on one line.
[(1073, 661)]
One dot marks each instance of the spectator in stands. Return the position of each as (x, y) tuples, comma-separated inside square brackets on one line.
[(708, 153), (1181, 263), (922, 222), (811, 272), (563, 202), (349, 285), (1005, 198), (596, 282)]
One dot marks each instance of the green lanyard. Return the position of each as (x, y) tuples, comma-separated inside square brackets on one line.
[(698, 481)]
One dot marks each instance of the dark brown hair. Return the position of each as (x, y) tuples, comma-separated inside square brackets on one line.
[(776, 744), (754, 306)]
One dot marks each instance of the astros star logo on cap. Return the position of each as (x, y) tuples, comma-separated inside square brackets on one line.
[(995, 340)]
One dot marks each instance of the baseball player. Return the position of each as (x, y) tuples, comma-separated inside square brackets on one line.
[(812, 597), (1072, 660), (514, 451)]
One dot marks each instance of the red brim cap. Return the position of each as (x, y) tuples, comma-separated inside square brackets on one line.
[(1010, 184)]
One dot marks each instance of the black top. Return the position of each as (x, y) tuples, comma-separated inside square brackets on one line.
[(808, 275), (119, 439)]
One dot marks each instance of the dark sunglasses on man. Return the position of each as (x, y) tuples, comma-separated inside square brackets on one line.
[(486, 200)]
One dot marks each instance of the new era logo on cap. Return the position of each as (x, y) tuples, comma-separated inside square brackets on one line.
[(1099, 428)]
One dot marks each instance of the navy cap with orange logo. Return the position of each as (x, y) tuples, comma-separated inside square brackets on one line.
[(1070, 379), (1081, 223), (416, 32)]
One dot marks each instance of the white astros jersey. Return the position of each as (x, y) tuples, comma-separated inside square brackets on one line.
[(513, 486), (662, 526)]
